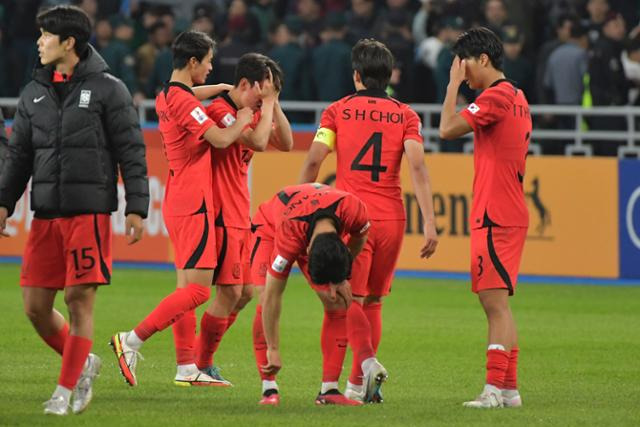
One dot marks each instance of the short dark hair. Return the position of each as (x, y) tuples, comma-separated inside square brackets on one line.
[(67, 21), (578, 28), (476, 41), (255, 68), (329, 259), (374, 62), (190, 44)]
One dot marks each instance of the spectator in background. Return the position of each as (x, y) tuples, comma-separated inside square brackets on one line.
[(332, 73), (147, 54), (363, 21), (90, 7), (203, 20), (495, 15), (21, 32), (597, 10), (609, 86), (310, 13), (119, 57), (293, 60), (567, 67), (421, 21), (263, 10), (455, 26), (515, 66), (396, 35), (103, 33), (631, 64), (562, 30)]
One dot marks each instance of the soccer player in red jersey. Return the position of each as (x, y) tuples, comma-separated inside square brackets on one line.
[(370, 132), (308, 223), (74, 131), (501, 124), (188, 134), (258, 80)]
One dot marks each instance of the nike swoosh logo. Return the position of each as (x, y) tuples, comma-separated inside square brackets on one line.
[(80, 275), (36, 100)]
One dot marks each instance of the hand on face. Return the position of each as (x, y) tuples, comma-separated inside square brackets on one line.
[(457, 73)]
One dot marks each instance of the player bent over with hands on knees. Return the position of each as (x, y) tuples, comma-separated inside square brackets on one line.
[(257, 83), (74, 128), (307, 223), (188, 210), (501, 124), (370, 132)]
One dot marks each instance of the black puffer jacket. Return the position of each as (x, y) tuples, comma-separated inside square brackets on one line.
[(73, 149), (4, 149)]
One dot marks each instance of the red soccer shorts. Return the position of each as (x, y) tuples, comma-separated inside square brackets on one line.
[(194, 240), (372, 270), (495, 257), (233, 256), (68, 251)]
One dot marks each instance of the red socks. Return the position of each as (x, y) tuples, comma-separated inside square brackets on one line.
[(359, 334), (76, 350), (334, 344), (374, 315), (57, 340), (211, 331), (184, 338), (260, 344), (172, 308), (232, 319), (511, 376), (497, 364)]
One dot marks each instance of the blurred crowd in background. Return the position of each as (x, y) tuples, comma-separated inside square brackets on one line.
[(570, 52)]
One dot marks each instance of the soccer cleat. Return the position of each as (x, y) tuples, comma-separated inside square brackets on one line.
[(56, 406), (198, 379), (511, 399), (377, 397), (334, 397), (83, 393), (127, 357), (214, 372), (270, 398), (372, 381), (354, 394), (491, 397)]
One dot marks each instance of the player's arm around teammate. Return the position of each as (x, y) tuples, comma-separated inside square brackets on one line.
[(74, 176)]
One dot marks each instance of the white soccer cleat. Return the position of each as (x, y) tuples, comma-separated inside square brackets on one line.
[(491, 397), (372, 381), (200, 379), (354, 392), (126, 356), (82, 393), (511, 399), (56, 406)]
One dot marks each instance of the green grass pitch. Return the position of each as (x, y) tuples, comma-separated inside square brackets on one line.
[(579, 365)]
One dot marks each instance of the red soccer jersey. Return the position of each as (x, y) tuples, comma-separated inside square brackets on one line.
[(231, 167), (368, 130), (182, 124), (501, 126), (288, 216)]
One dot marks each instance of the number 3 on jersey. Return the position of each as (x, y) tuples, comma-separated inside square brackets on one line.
[(375, 167)]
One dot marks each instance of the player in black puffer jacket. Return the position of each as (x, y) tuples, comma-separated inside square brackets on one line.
[(74, 129)]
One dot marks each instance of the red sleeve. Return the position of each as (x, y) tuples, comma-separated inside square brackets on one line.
[(355, 218), (413, 125), (328, 119), (189, 113), (286, 249), (489, 107)]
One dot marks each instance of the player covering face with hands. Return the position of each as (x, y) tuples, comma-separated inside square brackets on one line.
[(500, 121)]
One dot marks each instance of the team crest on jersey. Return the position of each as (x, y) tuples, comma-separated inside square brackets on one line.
[(279, 264), (199, 115), (473, 108), (228, 119), (85, 98)]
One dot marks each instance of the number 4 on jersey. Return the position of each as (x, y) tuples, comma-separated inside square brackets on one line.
[(374, 141)]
